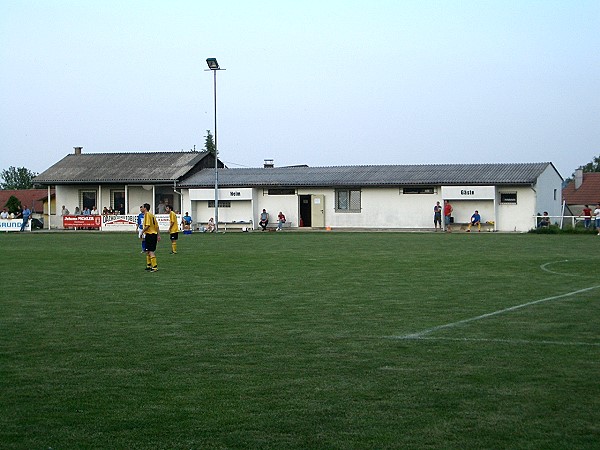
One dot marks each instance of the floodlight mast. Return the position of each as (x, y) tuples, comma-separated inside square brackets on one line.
[(214, 66)]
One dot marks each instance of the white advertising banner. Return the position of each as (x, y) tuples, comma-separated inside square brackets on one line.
[(468, 192), (128, 222), (224, 194), (13, 225)]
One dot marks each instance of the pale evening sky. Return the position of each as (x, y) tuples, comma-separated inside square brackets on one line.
[(321, 83)]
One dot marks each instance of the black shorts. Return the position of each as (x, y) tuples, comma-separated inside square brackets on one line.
[(174, 236), (151, 240)]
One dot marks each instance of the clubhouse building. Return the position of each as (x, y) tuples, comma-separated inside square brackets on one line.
[(508, 196)]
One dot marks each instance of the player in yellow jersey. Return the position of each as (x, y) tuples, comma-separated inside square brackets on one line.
[(173, 228), (151, 232)]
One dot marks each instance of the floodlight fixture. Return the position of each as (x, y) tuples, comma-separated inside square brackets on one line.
[(212, 63)]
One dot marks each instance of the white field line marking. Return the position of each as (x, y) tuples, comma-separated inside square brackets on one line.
[(512, 341), (545, 269), (420, 334)]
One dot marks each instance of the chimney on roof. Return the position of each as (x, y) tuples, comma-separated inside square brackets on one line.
[(269, 164), (77, 150), (578, 178)]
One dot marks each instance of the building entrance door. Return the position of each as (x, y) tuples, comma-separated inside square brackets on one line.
[(305, 214), (318, 211)]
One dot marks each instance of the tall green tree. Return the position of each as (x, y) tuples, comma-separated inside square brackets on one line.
[(209, 143), (17, 178), (592, 166), (13, 205)]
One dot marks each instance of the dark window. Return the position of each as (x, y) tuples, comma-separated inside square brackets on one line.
[(281, 192), (222, 204), (117, 199), (87, 199), (508, 198), (419, 190), (347, 200)]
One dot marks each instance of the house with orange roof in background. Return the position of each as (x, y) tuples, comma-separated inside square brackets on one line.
[(583, 190), (35, 199)]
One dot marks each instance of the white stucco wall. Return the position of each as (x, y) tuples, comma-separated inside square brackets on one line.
[(519, 216), (68, 195), (380, 207), (287, 204), (383, 208), (549, 192)]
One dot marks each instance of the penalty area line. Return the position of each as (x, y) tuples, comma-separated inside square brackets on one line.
[(422, 333), (511, 341)]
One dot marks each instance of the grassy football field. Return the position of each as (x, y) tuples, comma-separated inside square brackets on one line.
[(300, 340)]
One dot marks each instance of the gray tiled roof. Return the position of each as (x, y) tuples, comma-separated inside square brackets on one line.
[(121, 168), (388, 175)]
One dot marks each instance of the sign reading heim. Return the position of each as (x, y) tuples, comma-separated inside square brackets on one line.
[(127, 222)]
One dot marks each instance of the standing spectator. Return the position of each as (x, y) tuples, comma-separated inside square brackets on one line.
[(587, 216), (26, 214), (264, 219), (173, 229), (280, 221), (448, 215), (64, 212), (151, 232), (437, 216), (597, 216)]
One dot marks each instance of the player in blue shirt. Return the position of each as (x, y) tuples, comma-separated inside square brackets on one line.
[(140, 227)]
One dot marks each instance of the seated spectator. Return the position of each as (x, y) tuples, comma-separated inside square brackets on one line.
[(544, 221), (210, 226), (77, 211), (264, 219), (4, 214), (186, 222), (280, 220), (475, 220)]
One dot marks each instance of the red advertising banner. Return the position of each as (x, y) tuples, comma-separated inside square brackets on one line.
[(82, 221)]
